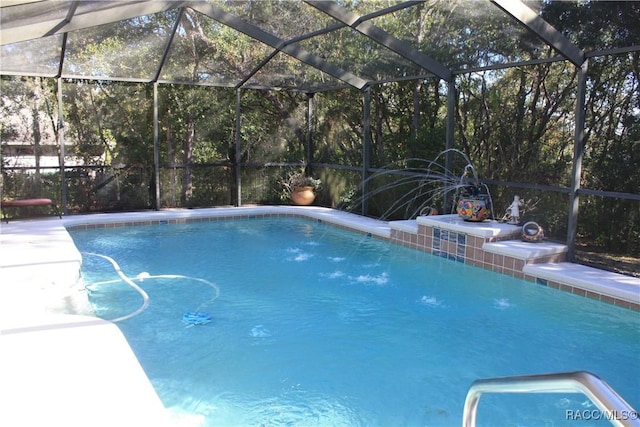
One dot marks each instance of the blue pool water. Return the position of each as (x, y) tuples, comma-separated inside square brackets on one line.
[(315, 325)]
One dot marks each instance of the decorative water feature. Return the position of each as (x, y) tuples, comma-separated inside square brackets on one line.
[(428, 210), (474, 205), (420, 187)]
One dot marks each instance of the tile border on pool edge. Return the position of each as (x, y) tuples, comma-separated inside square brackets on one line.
[(607, 299), (339, 219), (506, 254), (103, 226)]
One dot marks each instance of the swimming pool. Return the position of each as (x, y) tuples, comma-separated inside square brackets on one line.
[(315, 325)]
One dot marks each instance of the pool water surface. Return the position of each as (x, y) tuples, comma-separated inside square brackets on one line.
[(314, 325)]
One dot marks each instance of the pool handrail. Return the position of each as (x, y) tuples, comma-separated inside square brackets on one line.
[(610, 404)]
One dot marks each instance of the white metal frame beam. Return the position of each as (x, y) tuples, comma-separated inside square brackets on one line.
[(535, 23), (380, 36), (75, 21), (280, 45)]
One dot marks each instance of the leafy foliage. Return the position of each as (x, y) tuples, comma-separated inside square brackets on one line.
[(516, 125)]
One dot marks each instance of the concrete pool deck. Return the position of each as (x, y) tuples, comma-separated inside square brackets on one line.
[(59, 365)]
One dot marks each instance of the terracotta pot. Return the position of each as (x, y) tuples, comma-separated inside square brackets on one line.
[(303, 196), (474, 209)]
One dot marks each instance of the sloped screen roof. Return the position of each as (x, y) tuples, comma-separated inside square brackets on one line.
[(292, 44)]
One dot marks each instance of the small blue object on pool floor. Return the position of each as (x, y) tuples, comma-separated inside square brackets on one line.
[(196, 318)]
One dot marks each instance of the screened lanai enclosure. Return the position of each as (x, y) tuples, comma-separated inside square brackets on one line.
[(129, 105)]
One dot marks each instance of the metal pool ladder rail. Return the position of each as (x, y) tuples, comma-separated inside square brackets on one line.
[(609, 403)]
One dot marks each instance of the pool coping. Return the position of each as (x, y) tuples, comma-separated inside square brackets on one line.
[(40, 268), (335, 217), (48, 251), (486, 229), (75, 371), (43, 301)]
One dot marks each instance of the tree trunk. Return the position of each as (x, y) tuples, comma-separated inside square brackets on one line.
[(415, 120), (187, 177), (171, 158), (37, 135)]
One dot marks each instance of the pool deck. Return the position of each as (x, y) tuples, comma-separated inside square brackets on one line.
[(59, 365)]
